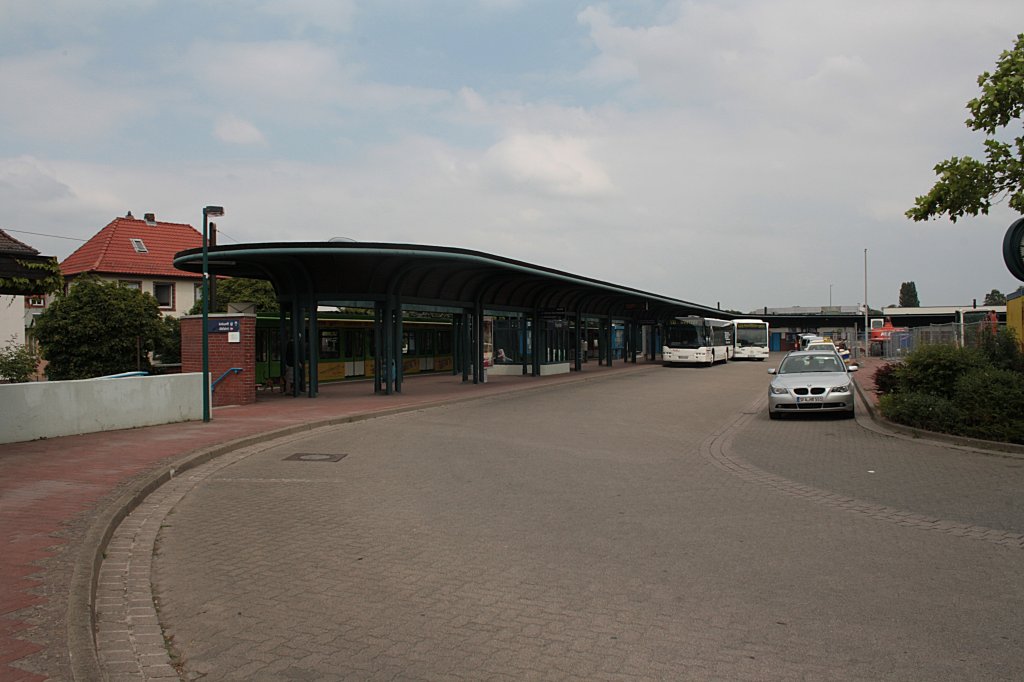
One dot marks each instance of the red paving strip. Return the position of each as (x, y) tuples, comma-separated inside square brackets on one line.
[(46, 485), (865, 377)]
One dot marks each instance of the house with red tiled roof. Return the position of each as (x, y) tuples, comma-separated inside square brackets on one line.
[(140, 254)]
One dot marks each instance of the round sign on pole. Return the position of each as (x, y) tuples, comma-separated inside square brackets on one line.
[(1013, 249)]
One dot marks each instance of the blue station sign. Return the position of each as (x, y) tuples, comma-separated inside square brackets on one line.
[(223, 326)]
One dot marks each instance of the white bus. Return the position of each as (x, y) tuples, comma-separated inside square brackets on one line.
[(698, 340), (751, 339)]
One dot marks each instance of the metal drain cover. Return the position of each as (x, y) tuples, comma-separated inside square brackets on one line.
[(315, 457)]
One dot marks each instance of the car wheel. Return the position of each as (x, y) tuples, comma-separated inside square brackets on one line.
[(774, 415)]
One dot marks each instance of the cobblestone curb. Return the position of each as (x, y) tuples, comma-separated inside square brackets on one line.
[(129, 637)]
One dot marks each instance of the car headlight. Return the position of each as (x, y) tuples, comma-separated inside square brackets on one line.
[(841, 389), (778, 390)]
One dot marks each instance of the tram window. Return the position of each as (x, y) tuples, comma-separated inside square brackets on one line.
[(330, 347), (268, 345), (444, 342), (262, 343), (354, 344), (409, 343), (427, 345)]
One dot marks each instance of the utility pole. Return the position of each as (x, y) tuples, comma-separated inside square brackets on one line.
[(867, 340)]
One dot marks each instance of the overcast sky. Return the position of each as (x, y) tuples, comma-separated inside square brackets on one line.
[(741, 152)]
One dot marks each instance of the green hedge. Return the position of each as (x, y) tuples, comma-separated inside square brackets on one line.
[(962, 391)]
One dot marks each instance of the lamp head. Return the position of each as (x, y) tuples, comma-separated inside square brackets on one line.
[(213, 210)]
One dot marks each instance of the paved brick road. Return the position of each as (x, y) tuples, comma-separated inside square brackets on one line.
[(58, 496), (653, 525)]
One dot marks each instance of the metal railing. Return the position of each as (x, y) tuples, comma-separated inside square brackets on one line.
[(964, 335), (233, 370)]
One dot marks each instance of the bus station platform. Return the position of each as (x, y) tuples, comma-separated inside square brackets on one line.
[(61, 498)]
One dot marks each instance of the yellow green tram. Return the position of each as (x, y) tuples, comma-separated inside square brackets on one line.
[(346, 348)]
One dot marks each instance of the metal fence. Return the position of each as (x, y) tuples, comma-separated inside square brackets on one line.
[(967, 335)]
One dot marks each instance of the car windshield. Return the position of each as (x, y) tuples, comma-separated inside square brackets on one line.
[(810, 363)]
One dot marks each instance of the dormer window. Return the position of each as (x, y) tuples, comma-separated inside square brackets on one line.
[(139, 246)]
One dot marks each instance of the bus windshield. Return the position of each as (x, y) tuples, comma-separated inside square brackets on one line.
[(684, 335), (748, 334)]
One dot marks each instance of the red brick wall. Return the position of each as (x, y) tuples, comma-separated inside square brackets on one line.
[(235, 389)]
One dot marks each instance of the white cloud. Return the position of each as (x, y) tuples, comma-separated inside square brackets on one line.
[(781, 138), (303, 15), (290, 71), (18, 19), (56, 95), (559, 166), (299, 79), (235, 130), (28, 179)]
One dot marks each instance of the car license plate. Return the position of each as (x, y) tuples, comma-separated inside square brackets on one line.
[(810, 399)]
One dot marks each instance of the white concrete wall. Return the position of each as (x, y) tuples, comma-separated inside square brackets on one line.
[(12, 320), (554, 368), (48, 409)]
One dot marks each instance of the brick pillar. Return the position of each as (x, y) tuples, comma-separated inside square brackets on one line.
[(225, 353)]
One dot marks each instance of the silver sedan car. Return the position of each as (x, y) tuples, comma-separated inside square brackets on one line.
[(811, 382)]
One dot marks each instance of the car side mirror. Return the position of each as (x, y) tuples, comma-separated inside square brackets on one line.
[(853, 368), (771, 371)]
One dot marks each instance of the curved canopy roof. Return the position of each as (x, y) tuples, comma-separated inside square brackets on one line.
[(429, 275)]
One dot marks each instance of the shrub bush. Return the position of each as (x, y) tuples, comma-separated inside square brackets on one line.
[(991, 404), (18, 362), (1002, 349), (921, 410), (886, 379), (934, 369)]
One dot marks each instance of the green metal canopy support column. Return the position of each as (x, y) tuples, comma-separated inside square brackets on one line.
[(536, 343), (478, 342), (313, 388), (388, 345), (399, 345), (609, 333), (580, 340), (456, 343), (627, 342), (378, 346), (466, 343), (282, 340), (296, 347)]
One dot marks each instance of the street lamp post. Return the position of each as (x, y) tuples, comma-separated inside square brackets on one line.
[(207, 212)]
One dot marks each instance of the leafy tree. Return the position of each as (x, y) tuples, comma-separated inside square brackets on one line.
[(167, 346), (967, 186), (18, 362), (908, 295), (241, 289), (994, 297), (98, 328)]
